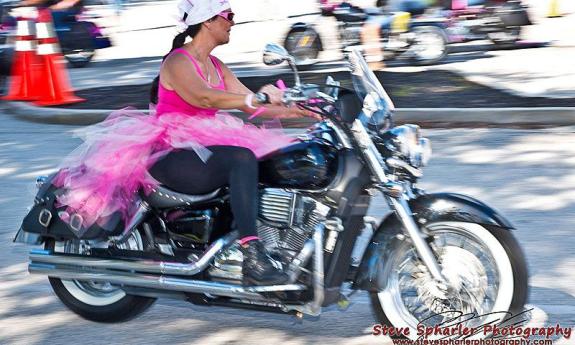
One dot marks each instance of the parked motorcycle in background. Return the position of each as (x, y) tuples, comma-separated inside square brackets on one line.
[(434, 256), (6, 47), (423, 40), (78, 36), (500, 21)]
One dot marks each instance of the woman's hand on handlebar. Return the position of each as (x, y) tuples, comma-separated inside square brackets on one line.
[(294, 112), (275, 95)]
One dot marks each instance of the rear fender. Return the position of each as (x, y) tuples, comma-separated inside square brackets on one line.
[(28, 238)]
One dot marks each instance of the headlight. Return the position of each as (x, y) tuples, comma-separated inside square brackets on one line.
[(409, 143), (423, 154), (374, 114)]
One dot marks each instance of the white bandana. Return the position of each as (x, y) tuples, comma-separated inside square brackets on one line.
[(191, 12)]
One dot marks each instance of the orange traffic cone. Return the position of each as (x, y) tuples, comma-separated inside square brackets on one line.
[(25, 64), (54, 85)]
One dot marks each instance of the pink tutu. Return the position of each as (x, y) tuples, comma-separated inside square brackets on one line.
[(103, 174)]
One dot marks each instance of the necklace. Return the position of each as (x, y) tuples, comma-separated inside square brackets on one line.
[(208, 72), (207, 68), (209, 75)]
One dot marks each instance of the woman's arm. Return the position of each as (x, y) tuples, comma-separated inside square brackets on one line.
[(233, 84), (179, 74)]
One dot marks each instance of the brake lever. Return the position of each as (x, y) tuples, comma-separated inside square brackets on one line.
[(291, 96)]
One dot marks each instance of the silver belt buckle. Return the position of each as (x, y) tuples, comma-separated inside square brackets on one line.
[(76, 222), (45, 217)]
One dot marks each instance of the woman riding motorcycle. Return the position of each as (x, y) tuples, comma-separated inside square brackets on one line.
[(186, 145)]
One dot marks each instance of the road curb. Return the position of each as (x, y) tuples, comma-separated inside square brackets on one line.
[(559, 116), (554, 116), (79, 117)]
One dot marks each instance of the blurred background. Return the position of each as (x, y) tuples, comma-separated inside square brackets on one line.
[(491, 82), (487, 42)]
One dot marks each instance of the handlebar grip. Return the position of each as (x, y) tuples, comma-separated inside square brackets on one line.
[(262, 98)]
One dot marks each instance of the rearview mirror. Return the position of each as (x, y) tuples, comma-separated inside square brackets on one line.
[(275, 54)]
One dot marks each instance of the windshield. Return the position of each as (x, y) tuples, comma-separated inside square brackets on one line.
[(377, 106)]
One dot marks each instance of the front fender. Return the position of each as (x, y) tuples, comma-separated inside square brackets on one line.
[(427, 208), (301, 26), (441, 207)]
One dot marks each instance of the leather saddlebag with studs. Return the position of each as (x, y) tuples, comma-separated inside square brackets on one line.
[(46, 219)]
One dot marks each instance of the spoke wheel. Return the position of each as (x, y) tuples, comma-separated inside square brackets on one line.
[(97, 301), (485, 272)]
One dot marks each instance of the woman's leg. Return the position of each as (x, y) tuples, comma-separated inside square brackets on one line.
[(185, 172), (236, 167)]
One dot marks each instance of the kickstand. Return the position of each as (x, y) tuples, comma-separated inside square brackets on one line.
[(298, 318)]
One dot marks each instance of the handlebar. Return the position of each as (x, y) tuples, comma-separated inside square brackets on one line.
[(306, 94)]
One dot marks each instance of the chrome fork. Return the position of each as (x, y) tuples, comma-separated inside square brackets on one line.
[(403, 211)]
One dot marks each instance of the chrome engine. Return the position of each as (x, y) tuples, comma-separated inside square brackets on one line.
[(285, 221)]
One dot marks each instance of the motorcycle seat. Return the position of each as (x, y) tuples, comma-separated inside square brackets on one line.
[(163, 197)]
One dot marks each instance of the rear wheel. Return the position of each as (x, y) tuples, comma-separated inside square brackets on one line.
[(96, 301), (485, 269)]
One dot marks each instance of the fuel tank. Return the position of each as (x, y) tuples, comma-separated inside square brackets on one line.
[(305, 165)]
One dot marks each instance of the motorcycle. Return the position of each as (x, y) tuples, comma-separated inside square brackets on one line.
[(423, 40), (78, 36), (433, 256), (500, 21)]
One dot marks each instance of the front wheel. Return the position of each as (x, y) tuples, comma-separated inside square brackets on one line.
[(429, 45), (96, 301), (485, 269)]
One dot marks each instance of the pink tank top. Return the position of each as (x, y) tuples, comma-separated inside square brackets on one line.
[(170, 102)]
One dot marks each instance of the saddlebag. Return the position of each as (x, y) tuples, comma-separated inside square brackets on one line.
[(45, 218)]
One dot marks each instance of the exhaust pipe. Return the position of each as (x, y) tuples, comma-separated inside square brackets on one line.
[(159, 282), (157, 267), (164, 277)]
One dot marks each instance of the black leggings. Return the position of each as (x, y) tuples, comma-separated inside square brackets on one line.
[(237, 167)]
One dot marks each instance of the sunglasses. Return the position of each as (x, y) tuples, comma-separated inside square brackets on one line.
[(229, 16)]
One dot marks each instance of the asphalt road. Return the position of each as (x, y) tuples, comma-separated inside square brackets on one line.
[(529, 175)]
